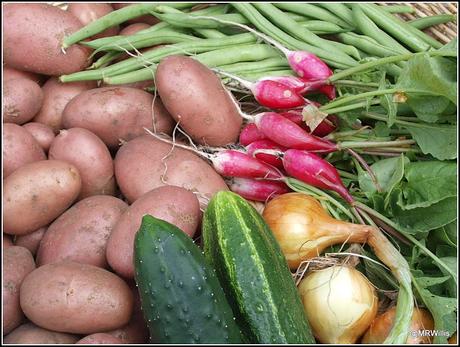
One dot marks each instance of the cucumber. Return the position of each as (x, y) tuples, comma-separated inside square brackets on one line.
[(181, 298), (253, 272)]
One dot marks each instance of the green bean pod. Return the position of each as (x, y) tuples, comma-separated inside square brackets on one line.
[(398, 8), (426, 22), (266, 27), (115, 18), (368, 27), (312, 11), (319, 27), (279, 18), (340, 10), (153, 56), (211, 59), (400, 30)]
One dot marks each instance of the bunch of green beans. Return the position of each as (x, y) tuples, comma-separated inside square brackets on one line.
[(214, 36)]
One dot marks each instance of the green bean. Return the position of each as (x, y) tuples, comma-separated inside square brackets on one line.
[(312, 11), (209, 33), (368, 27), (425, 22), (345, 47), (340, 10), (186, 20), (398, 8), (106, 59), (320, 27), (131, 64), (214, 58), (268, 64), (147, 40), (115, 18), (266, 27), (284, 22), (400, 30), (254, 76)]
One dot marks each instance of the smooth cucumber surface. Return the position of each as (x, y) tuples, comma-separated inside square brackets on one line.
[(253, 272), (181, 297)]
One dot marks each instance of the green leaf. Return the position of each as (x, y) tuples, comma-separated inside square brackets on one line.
[(429, 182), (436, 76), (422, 219), (451, 284), (438, 140), (387, 102), (443, 309), (388, 172)]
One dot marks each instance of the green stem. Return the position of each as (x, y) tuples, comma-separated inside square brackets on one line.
[(353, 106), (351, 83), (425, 250), (376, 144), (383, 61)]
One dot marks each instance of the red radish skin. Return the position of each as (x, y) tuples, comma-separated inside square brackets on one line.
[(308, 66), (250, 133), (232, 163), (312, 169), (326, 127), (296, 84), (288, 134), (275, 95), (257, 190), (266, 158)]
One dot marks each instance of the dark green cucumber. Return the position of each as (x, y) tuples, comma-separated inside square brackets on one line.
[(181, 297), (253, 272)]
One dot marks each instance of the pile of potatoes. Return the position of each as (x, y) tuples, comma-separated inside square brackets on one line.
[(79, 172)]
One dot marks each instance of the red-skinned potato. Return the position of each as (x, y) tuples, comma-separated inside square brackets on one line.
[(195, 96), (9, 72), (36, 193), (18, 263), (30, 334), (134, 28), (32, 39), (42, 133), (88, 12), (117, 114), (80, 234), (146, 163), (19, 148), (148, 19), (56, 95), (30, 241), (22, 99), (136, 331), (82, 148), (99, 339), (175, 205), (76, 298)]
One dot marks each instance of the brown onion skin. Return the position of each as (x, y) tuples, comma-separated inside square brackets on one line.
[(382, 324)]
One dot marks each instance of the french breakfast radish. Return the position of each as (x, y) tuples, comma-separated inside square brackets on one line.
[(257, 190), (254, 147), (250, 133)]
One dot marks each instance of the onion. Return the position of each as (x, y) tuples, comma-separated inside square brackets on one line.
[(381, 326), (304, 229), (340, 304), (453, 339)]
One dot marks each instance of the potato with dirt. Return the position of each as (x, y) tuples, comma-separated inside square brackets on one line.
[(146, 163), (80, 234), (82, 148), (32, 39), (196, 98), (22, 99), (18, 263), (76, 298), (19, 148), (117, 114), (173, 204), (37, 193), (30, 334), (99, 339), (56, 96)]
